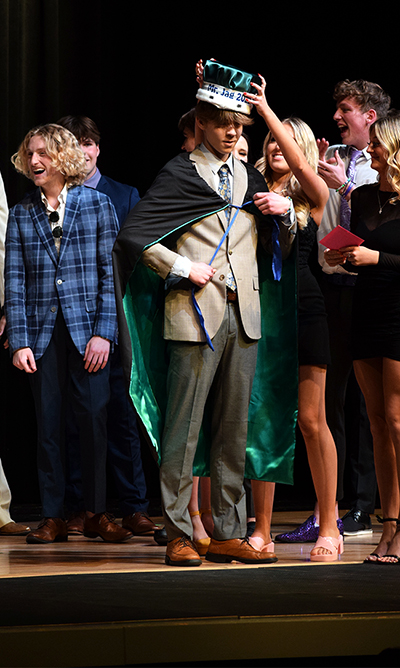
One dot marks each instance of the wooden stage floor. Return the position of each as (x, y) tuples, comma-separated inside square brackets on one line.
[(89, 603), (80, 555)]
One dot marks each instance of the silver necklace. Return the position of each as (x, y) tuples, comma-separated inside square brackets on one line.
[(381, 206)]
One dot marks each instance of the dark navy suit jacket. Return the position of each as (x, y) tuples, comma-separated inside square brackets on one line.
[(123, 197)]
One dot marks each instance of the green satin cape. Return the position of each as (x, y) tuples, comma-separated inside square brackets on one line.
[(273, 405)]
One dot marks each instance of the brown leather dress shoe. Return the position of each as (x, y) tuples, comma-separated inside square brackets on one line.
[(14, 529), (182, 552), (49, 530), (238, 549), (75, 524), (139, 523), (103, 525)]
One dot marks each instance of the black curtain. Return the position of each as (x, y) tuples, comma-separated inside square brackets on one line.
[(131, 67)]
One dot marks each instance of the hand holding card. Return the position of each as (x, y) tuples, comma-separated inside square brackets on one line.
[(340, 238)]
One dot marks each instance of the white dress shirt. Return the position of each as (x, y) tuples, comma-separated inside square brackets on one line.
[(62, 199), (331, 218)]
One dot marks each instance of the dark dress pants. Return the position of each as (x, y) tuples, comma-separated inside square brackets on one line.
[(60, 380), (123, 450), (346, 412)]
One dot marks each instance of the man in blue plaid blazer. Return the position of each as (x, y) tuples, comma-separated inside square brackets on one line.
[(61, 319)]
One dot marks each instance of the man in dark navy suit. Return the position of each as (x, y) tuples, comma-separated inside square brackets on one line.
[(123, 439)]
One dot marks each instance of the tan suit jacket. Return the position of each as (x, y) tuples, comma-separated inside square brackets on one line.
[(198, 243)]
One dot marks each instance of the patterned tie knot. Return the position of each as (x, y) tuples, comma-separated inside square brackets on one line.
[(354, 153)]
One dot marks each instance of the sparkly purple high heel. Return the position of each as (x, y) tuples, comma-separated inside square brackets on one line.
[(306, 533)]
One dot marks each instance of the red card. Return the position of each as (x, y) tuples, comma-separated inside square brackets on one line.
[(339, 238)]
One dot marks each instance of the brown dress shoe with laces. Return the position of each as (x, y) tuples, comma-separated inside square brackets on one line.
[(238, 549), (182, 552), (139, 523), (102, 525), (49, 530), (75, 524)]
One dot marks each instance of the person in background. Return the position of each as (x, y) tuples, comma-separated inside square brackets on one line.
[(375, 330), (7, 526), (61, 320), (241, 150), (289, 165), (344, 167), (187, 126), (123, 441)]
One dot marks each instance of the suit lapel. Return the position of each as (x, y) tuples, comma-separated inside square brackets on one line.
[(239, 183), (71, 209), (42, 225), (206, 173)]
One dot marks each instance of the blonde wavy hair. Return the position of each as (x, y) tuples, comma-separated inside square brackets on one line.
[(304, 137), (387, 131), (63, 149)]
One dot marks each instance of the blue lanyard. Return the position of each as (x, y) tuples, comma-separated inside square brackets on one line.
[(276, 263)]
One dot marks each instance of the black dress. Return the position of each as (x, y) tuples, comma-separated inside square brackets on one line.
[(313, 333), (376, 305)]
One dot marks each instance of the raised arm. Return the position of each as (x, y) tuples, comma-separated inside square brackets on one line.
[(312, 184)]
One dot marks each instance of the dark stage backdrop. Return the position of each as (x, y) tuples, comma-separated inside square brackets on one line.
[(130, 66)]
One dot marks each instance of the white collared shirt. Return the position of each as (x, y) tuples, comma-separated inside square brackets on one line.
[(331, 218), (215, 165), (62, 199)]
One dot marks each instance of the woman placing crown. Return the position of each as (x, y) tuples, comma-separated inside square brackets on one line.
[(289, 165)]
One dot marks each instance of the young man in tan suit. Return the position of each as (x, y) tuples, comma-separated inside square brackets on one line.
[(213, 376)]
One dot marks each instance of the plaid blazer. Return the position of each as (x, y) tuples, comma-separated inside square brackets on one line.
[(79, 281)]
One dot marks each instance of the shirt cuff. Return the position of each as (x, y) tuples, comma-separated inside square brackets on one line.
[(181, 267)]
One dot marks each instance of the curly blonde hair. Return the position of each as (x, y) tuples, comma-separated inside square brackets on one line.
[(304, 137), (387, 131), (63, 149)]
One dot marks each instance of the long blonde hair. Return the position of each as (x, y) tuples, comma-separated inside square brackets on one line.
[(304, 137), (387, 130)]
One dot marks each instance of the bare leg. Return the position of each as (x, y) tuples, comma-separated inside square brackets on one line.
[(379, 381), (316, 511), (205, 511), (321, 450), (263, 499), (198, 529)]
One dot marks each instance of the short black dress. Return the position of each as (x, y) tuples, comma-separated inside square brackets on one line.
[(376, 304), (313, 333)]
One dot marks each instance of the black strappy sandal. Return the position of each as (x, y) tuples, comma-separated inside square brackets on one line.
[(381, 520)]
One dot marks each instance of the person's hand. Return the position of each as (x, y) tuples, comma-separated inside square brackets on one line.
[(96, 354), (258, 98), (323, 146), (199, 73), (201, 273), (271, 203), (332, 171), (24, 359), (2, 324), (360, 256), (334, 257)]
